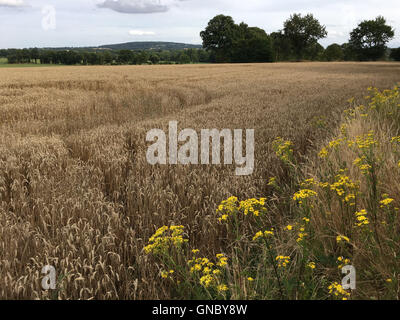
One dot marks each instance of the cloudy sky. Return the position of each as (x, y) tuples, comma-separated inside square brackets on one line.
[(51, 23)]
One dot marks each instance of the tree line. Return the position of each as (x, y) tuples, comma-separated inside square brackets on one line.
[(105, 57), (298, 40), (224, 41)]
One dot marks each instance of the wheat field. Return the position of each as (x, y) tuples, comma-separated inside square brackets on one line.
[(77, 193)]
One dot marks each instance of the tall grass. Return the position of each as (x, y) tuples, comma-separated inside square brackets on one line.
[(345, 212), (76, 191)]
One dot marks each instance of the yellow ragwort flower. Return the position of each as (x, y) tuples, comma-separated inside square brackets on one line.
[(311, 265), (341, 238)]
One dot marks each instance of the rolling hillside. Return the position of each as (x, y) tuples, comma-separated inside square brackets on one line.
[(145, 45)]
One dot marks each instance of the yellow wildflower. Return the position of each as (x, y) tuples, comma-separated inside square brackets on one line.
[(342, 238), (323, 153), (222, 288), (337, 290), (272, 181), (311, 265), (362, 219), (304, 194), (258, 235), (386, 202), (283, 261)]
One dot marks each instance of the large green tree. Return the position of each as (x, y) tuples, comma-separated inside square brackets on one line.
[(252, 45), (282, 49), (334, 52), (314, 52), (348, 52), (229, 42), (219, 37), (303, 33), (395, 54), (370, 37)]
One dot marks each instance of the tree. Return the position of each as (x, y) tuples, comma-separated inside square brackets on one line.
[(395, 54), (142, 57), (154, 58), (184, 58), (13, 58), (370, 37), (334, 52), (282, 49), (204, 56), (108, 58), (25, 56), (44, 57), (314, 52), (348, 52), (193, 54), (229, 42), (219, 36), (252, 45), (34, 54), (92, 58), (303, 32), (125, 57), (165, 56)]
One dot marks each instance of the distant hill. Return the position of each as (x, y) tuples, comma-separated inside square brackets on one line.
[(147, 45), (144, 45)]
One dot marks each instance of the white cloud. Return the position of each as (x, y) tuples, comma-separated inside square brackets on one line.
[(141, 33), (335, 34), (138, 6), (12, 3), (134, 6)]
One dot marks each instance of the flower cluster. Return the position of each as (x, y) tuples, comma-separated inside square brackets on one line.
[(167, 274), (386, 201), (362, 219), (283, 149), (209, 273), (307, 183), (342, 184), (323, 153), (165, 238), (303, 194), (380, 98), (396, 139), (227, 208), (341, 238), (366, 142), (253, 206), (231, 206), (283, 261), (265, 234), (302, 234), (300, 228), (337, 290), (362, 164), (332, 145), (342, 262)]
